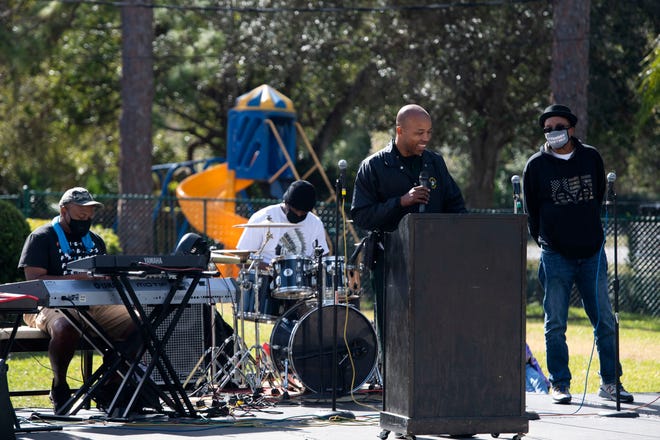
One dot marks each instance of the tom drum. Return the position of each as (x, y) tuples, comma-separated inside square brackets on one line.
[(293, 277)]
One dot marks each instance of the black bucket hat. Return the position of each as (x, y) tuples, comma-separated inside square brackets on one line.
[(558, 110)]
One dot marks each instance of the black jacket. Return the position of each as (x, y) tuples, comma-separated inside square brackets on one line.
[(381, 181)]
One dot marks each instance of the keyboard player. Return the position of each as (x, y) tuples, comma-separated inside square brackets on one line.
[(45, 255)]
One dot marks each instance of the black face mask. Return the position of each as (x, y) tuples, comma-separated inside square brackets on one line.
[(79, 227), (295, 218)]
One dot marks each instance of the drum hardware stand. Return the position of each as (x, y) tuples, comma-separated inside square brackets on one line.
[(210, 373), (221, 372), (261, 368), (262, 365), (242, 366), (243, 363), (217, 371), (285, 380)]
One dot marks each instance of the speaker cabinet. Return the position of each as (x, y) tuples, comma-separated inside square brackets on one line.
[(455, 325), (187, 342)]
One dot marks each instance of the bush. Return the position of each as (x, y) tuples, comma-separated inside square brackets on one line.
[(111, 239), (13, 231)]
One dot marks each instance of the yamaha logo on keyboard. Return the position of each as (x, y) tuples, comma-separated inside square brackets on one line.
[(153, 260)]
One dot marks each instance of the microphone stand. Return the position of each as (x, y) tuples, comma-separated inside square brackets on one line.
[(318, 252), (341, 192), (517, 204), (611, 201), (335, 288)]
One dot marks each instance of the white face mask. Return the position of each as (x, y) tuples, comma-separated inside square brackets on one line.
[(557, 139)]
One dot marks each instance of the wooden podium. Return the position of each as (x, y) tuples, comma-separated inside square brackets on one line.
[(455, 325)]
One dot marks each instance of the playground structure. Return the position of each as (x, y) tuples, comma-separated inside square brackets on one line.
[(261, 146)]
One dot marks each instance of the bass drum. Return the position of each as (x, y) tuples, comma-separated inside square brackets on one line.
[(295, 339)]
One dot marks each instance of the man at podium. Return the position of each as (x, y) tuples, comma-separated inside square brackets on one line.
[(402, 178)]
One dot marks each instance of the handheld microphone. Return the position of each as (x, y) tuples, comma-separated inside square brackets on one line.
[(342, 176), (515, 180), (423, 181), (517, 203), (611, 195)]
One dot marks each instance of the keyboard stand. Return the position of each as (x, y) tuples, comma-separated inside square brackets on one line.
[(136, 379), (178, 401), (115, 361)]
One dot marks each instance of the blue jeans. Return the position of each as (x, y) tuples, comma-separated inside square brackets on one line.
[(557, 275), (534, 382)]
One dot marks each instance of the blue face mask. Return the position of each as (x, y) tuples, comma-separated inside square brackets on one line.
[(557, 139)]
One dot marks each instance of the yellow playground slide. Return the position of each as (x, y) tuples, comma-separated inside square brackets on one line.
[(207, 200)]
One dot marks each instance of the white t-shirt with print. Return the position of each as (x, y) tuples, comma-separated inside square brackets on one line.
[(300, 239)]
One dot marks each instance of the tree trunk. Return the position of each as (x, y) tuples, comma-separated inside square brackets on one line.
[(569, 78), (137, 90), (484, 151)]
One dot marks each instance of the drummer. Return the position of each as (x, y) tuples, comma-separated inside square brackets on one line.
[(300, 239), (306, 228)]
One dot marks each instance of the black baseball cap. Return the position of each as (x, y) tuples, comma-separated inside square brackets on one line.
[(78, 196)]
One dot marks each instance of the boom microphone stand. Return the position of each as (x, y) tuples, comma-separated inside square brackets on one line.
[(611, 201)]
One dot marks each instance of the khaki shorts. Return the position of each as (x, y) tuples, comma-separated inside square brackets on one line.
[(114, 319)]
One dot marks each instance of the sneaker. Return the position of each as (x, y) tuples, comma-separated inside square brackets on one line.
[(561, 394), (59, 395), (608, 391)]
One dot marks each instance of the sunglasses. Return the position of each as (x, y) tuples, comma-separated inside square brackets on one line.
[(559, 127)]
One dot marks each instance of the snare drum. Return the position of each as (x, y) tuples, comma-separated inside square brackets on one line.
[(293, 277), (269, 309)]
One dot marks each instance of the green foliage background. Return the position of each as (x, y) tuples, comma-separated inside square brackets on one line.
[(482, 70), (13, 231)]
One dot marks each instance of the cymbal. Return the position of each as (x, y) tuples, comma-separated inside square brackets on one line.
[(267, 225), (230, 254), (225, 259), (233, 251)]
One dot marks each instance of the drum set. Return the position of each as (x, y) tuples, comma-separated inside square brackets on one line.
[(299, 296)]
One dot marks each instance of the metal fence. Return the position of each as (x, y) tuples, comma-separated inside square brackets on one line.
[(638, 240)]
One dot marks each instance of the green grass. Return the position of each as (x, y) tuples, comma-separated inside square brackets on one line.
[(639, 342), (639, 351)]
